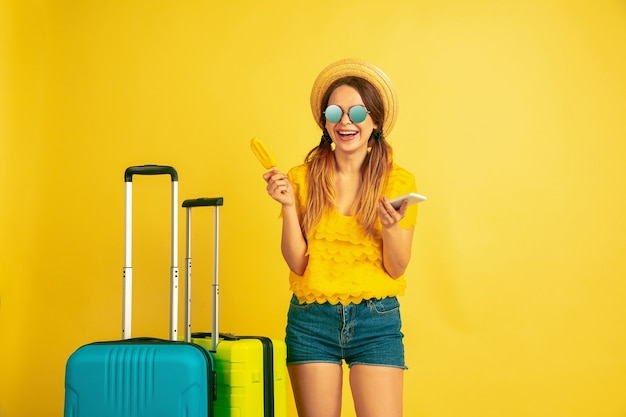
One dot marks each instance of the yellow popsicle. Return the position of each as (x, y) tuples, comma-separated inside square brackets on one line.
[(264, 155)]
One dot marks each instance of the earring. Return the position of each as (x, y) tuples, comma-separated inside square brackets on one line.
[(377, 134)]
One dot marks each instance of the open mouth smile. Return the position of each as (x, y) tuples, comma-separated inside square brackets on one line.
[(347, 134)]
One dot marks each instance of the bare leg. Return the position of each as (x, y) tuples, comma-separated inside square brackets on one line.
[(317, 389), (377, 390)]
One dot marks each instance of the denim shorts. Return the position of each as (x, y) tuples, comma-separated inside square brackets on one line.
[(367, 333)]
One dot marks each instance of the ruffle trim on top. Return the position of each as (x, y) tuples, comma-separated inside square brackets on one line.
[(345, 265), (306, 295)]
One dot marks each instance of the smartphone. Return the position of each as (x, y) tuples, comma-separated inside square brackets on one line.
[(412, 197)]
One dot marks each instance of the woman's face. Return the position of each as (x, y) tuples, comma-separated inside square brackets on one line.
[(347, 135)]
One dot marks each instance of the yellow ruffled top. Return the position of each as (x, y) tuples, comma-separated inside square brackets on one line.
[(345, 263)]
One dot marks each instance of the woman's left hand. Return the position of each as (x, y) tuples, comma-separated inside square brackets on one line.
[(388, 215)]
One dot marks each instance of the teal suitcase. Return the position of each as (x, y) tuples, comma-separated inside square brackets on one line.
[(144, 376)]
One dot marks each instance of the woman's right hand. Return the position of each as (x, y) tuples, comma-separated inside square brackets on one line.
[(279, 187)]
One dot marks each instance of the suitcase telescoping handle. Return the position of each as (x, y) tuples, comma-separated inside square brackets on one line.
[(128, 243), (189, 204)]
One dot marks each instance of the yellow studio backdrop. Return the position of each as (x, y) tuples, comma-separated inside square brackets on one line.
[(511, 118)]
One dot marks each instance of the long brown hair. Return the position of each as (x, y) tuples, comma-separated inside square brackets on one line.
[(374, 171)]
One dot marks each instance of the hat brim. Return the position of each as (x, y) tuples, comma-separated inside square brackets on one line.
[(356, 68)]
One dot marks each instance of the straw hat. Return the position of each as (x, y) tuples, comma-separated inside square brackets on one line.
[(361, 69)]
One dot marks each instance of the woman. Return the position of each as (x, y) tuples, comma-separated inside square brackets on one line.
[(347, 248)]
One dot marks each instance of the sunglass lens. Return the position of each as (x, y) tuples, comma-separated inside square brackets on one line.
[(357, 114), (333, 113)]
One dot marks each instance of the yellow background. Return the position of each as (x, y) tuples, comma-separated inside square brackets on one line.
[(512, 119)]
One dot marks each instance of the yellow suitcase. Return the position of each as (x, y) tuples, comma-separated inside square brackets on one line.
[(251, 375), (251, 371)]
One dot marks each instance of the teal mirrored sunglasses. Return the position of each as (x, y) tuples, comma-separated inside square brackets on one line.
[(334, 113)]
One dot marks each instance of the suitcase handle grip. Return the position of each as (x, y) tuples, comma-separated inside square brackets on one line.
[(204, 202), (150, 170)]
